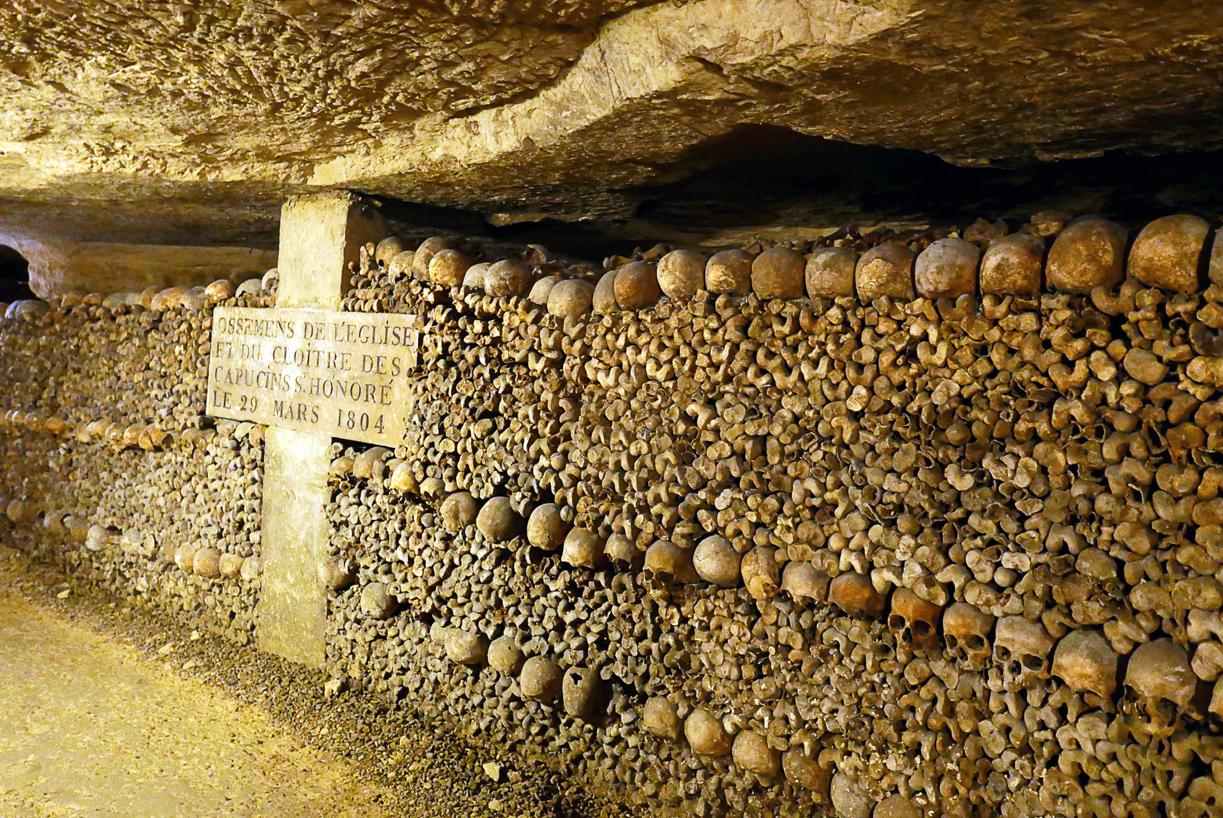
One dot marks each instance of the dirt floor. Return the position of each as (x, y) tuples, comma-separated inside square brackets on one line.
[(110, 710)]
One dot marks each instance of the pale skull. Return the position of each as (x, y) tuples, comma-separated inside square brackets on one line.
[(1021, 647)]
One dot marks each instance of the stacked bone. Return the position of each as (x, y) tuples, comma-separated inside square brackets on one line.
[(955, 554), (108, 467)]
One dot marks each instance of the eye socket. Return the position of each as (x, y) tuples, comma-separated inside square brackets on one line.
[(896, 622), (974, 642), (1032, 662), (921, 629)]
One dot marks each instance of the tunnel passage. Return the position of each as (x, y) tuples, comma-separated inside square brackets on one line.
[(711, 532), (14, 275)]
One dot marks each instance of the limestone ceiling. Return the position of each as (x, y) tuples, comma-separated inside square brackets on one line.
[(187, 122)]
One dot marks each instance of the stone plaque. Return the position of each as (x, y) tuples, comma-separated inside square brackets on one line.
[(342, 373)]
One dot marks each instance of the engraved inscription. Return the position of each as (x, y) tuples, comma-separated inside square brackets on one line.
[(314, 370)]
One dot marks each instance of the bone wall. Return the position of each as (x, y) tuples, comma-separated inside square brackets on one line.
[(922, 524), (107, 466), (856, 555)]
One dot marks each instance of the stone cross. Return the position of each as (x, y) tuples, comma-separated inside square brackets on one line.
[(320, 234)]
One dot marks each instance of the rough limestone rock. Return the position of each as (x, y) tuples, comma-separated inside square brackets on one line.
[(573, 111), (58, 267), (1215, 270)]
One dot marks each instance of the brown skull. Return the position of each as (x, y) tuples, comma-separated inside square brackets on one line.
[(1159, 687), (966, 630), (1086, 661), (913, 619)]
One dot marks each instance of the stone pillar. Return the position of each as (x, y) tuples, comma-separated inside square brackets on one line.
[(319, 235)]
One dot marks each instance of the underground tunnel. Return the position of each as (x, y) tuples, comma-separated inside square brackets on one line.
[(627, 408)]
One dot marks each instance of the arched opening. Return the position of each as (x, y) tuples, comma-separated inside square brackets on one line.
[(14, 275)]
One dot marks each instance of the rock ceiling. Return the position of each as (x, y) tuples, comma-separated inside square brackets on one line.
[(188, 122)]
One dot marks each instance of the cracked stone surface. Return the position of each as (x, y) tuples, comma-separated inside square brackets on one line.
[(188, 122)]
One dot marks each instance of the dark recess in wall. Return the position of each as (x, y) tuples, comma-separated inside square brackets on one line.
[(768, 178), (14, 275)]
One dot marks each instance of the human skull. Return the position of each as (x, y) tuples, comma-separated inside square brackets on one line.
[(98, 537), (913, 619), (751, 751), (707, 734), (505, 656), (717, 561), (541, 679), (335, 573), (1021, 647), (77, 527), (21, 511), (660, 717), (667, 560), (761, 573), (370, 463), (854, 594), (152, 438), (1159, 687), (546, 527), (498, 521), (131, 435), (583, 693), (457, 511), (582, 548), (1086, 661), (465, 647), (803, 581)]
